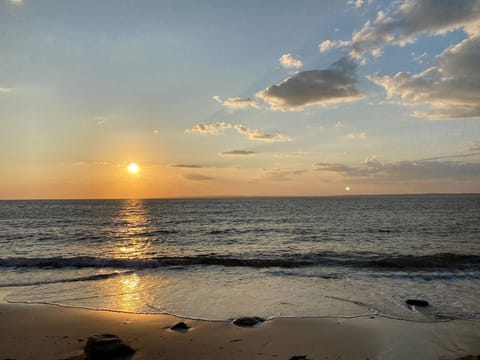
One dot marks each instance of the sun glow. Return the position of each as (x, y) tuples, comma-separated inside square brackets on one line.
[(133, 168)]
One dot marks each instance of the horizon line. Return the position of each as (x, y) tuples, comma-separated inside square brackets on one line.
[(207, 197)]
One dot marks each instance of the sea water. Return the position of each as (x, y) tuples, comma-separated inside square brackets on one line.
[(222, 258)]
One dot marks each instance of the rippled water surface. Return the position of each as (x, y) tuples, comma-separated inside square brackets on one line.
[(221, 258)]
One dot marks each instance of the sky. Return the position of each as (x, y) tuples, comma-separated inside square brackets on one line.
[(238, 98)]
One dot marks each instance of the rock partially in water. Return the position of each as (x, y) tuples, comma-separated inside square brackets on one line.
[(248, 321), (180, 326), (416, 302), (107, 346)]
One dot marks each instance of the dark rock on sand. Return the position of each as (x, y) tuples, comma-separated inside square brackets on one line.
[(179, 326), (414, 302), (247, 321), (469, 357), (107, 346), (299, 357)]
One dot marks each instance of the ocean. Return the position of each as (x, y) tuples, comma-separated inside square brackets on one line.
[(218, 259)]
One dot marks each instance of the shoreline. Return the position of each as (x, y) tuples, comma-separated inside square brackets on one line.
[(39, 331)]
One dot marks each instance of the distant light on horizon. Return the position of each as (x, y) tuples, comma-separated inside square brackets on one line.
[(347, 188)]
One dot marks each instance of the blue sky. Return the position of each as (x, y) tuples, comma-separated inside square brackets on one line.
[(238, 98)]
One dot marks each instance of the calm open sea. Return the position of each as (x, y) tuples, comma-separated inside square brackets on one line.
[(221, 258)]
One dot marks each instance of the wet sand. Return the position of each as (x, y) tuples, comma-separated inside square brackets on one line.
[(54, 332)]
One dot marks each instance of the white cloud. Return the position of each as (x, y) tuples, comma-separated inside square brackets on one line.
[(254, 134), (314, 87), (289, 62), (332, 44), (238, 103), (358, 136), (358, 3), (16, 2), (447, 91), (209, 129)]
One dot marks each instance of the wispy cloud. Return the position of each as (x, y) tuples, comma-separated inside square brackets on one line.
[(297, 154), (281, 174), (16, 2), (314, 87), (6, 90), (356, 136), (197, 177), (289, 62), (470, 149), (209, 129), (473, 145), (254, 134), (358, 3), (238, 153), (237, 103), (404, 170), (188, 166)]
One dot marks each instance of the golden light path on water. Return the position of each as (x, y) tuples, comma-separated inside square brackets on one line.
[(131, 243)]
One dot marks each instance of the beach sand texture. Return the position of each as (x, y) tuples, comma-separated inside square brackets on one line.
[(54, 332)]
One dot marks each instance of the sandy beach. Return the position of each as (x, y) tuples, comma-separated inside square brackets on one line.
[(54, 332)]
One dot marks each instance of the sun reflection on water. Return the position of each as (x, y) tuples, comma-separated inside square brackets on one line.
[(130, 298), (132, 241)]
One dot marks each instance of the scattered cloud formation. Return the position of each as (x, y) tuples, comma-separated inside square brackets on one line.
[(450, 90), (237, 103), (188, 166), (209, 129), (414, 17), (238, 153), (289, 62), (314, 87), (358, 136), (404, 170), (197, 177), (254, 134)]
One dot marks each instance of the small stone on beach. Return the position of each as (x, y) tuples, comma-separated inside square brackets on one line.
[(179, 326), (107, 346), (415, 302), (247, 321), (299, 357)]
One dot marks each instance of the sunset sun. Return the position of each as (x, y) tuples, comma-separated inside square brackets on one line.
[(133, 168)]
